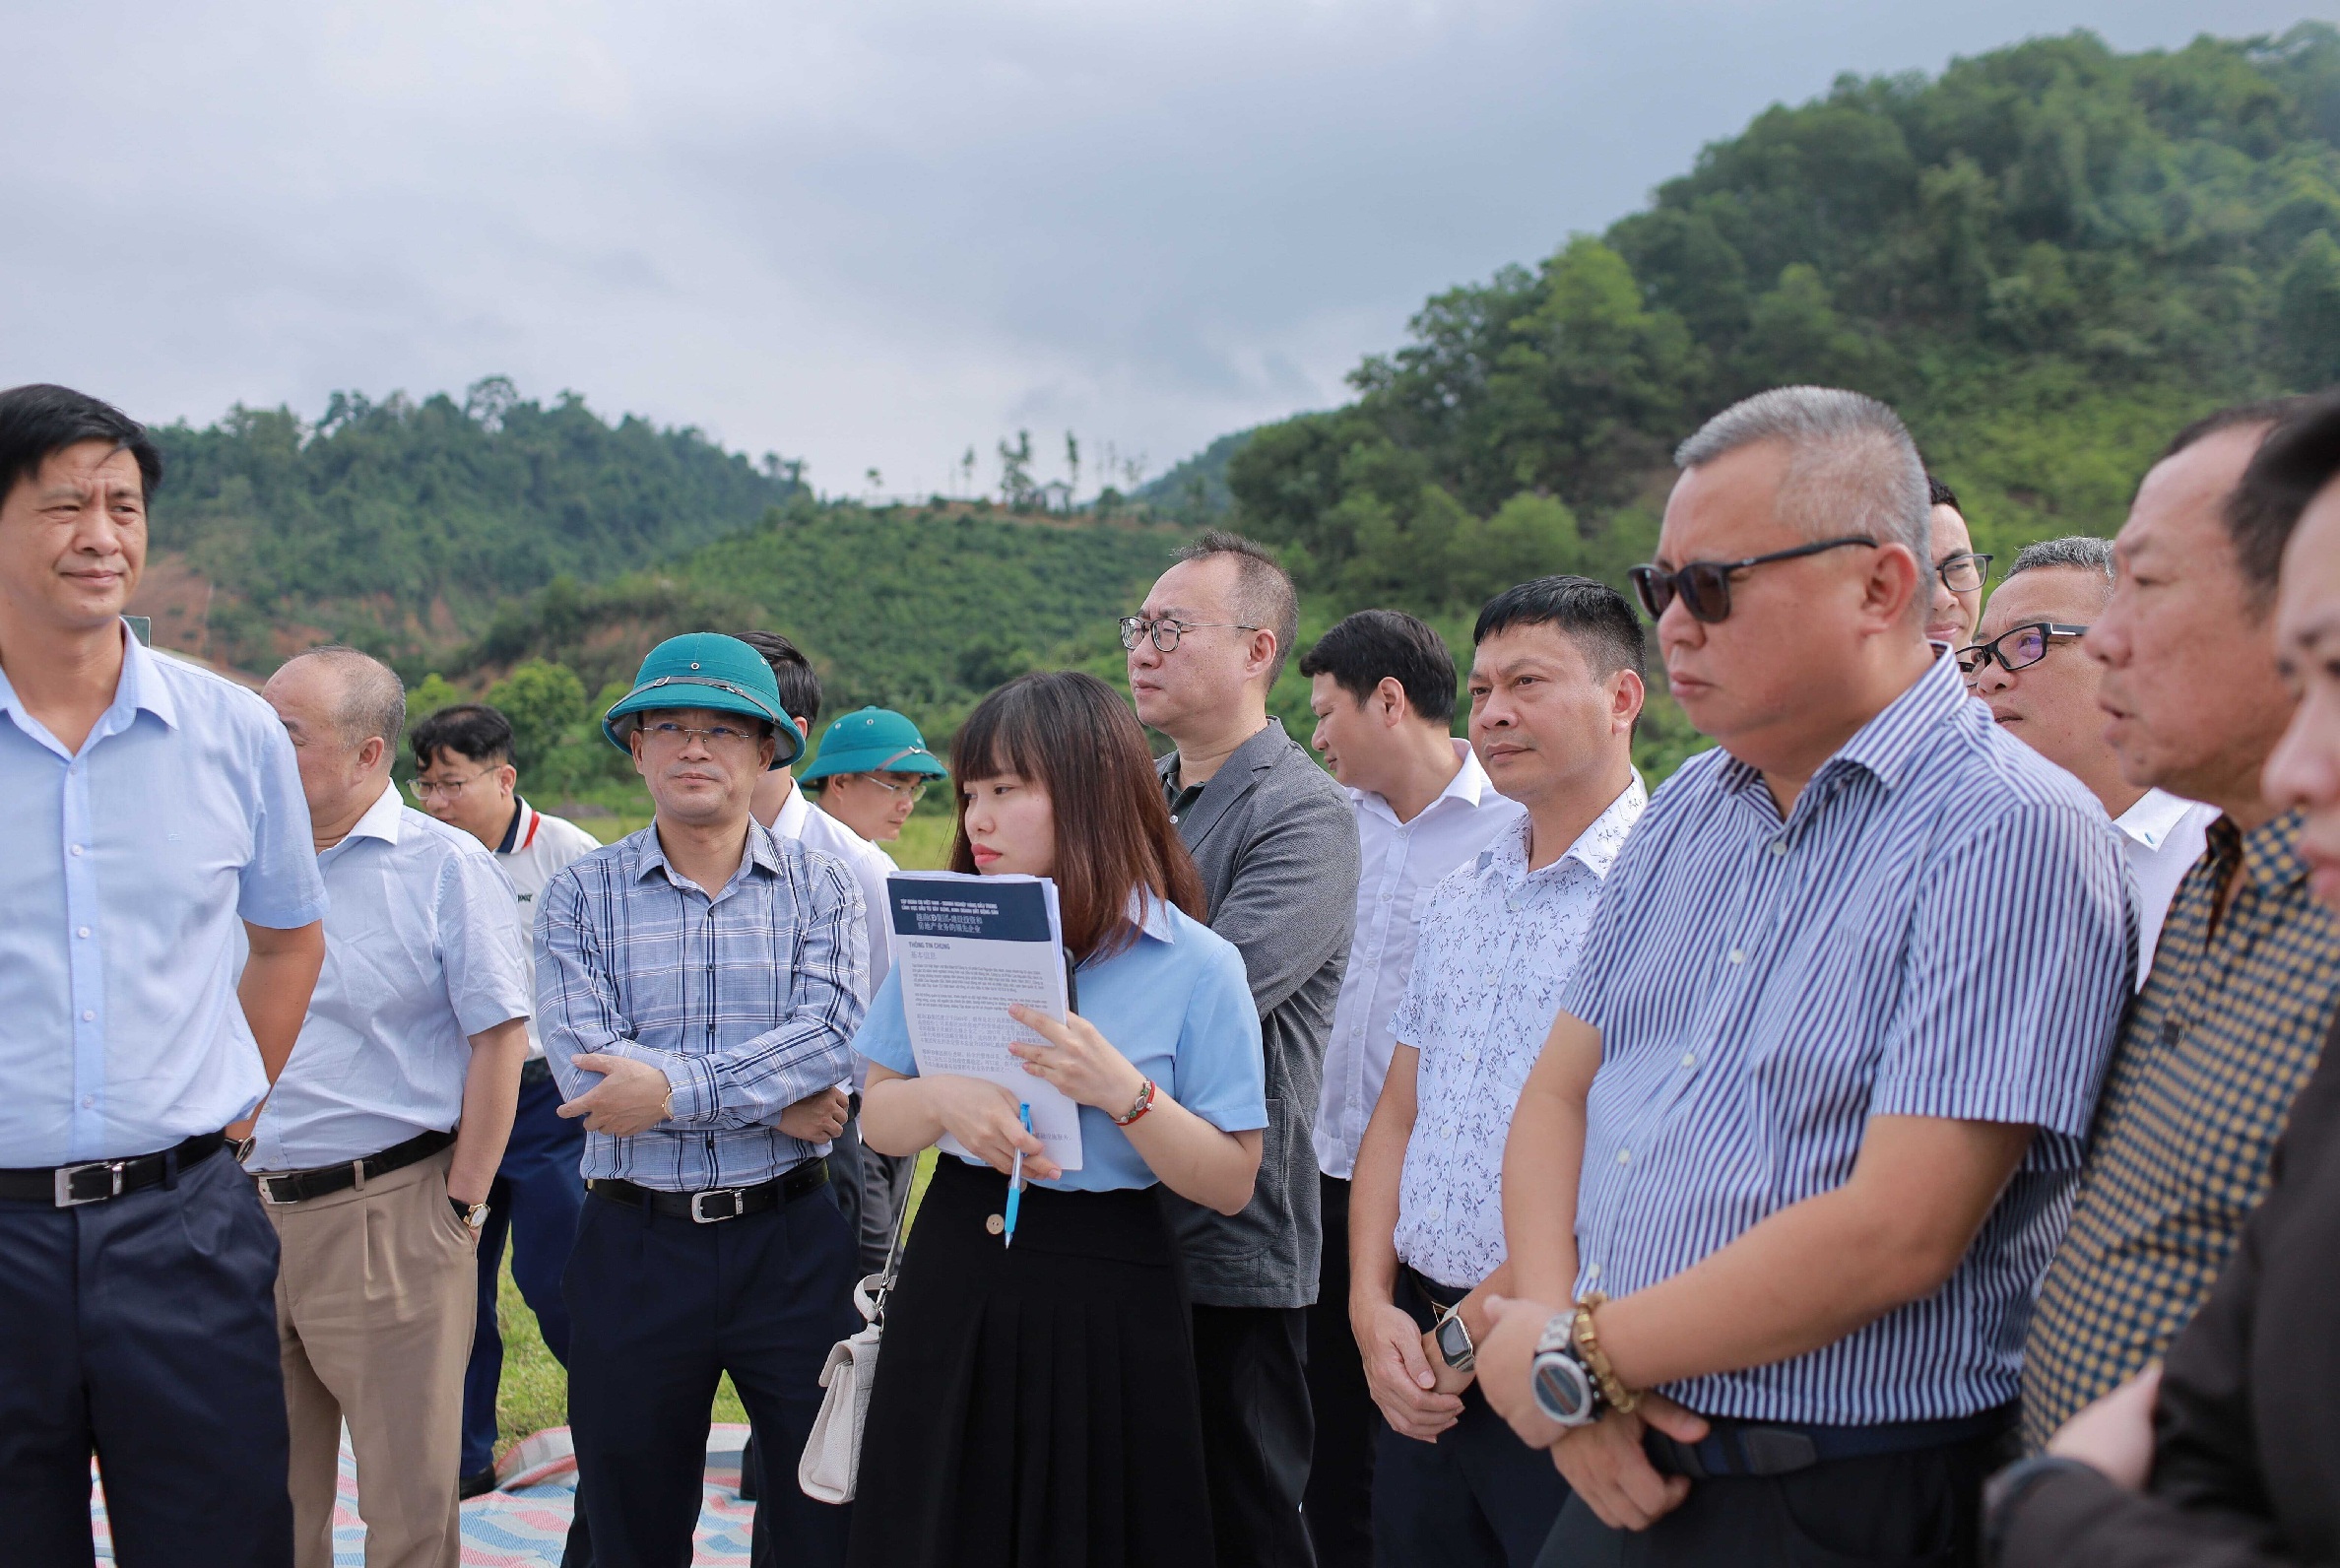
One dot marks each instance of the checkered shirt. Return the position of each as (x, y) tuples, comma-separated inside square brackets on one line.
[(2227, 1029)]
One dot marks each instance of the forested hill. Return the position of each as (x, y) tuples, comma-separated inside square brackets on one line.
[(2047, 258), (402, 525)]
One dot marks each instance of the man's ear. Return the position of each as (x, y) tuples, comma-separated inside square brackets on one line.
[(1627, 694), (803, 734), (1891, 587), (370, 754), (507, 776), (1263, 652), (1390, 696)]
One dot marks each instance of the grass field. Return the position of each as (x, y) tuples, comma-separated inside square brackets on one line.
[(535, 1391)]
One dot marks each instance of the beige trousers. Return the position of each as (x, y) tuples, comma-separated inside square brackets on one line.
[(376, 1295)]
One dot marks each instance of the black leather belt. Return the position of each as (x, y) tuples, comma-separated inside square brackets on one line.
[(95, 1181), (1758, 1448), (717, 1204), (300, 1186)]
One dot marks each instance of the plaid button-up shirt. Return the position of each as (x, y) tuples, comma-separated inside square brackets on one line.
[(2228, 1026), (746, 1001)]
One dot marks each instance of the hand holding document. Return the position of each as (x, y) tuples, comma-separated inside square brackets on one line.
[(967, 949)]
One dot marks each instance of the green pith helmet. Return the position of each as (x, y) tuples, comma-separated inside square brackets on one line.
[(705, 670), (872, 740)]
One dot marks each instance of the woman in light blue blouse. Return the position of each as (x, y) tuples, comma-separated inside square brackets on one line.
[(1036, 1405)]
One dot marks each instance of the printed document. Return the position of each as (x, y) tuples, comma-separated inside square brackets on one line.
[(966, 948)]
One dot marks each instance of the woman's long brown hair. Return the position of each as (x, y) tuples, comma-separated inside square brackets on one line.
[(1070, 734)]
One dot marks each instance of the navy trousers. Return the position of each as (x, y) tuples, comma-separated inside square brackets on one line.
[(660, 1308), (1476, 1498), (534, 1200), (142, 1329)]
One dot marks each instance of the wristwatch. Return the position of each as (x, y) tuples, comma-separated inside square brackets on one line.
[(1566, 1388), (1454, 1338), (472, 1215)]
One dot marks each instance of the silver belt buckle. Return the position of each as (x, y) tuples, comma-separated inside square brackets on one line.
[(701, 1217), (66, 1197)]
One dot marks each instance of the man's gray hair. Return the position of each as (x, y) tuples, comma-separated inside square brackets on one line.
[(373, 699), (1264, 597), (1852, 467), (2073, 551)]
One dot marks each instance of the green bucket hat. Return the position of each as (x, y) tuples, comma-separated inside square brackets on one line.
[(705, 670), (872, 740)]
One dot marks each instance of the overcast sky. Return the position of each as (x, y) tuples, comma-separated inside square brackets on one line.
[(868, 233)]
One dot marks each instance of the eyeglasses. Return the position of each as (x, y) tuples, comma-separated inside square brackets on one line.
[(916, 787), (2016, 648), (1166, 632), (427, 789), (1704, 586), (668, 733), (1965, 574)]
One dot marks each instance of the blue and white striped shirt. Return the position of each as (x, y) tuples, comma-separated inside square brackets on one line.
[(746, 1001), (1941, 928)]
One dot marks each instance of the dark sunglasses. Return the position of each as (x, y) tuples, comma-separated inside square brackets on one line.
[(1704, 586), (2017, 648)]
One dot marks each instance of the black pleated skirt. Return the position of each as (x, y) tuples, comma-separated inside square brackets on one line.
[(1034, 1406)]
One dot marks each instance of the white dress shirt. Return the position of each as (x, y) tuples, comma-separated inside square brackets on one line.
[(2162, 836), (1498, 942), (869, 865), (535, 847), (421, 954), (1401, 863)]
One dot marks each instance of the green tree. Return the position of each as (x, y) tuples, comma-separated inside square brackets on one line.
[(2308, 312), (546, 704)]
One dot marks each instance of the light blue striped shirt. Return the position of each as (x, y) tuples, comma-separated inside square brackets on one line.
[(125, 869), (746, 1001), (1941, 928)]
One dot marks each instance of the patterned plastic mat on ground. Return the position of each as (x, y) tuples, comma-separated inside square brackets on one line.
[(525, 1521)]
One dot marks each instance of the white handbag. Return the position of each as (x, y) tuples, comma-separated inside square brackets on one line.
[(831, 1460)]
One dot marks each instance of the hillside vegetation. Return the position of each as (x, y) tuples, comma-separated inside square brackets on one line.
[(2047, 258)]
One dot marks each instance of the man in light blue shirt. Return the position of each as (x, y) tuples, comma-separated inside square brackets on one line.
[(152, 813), (699, 982), (376, 1152)]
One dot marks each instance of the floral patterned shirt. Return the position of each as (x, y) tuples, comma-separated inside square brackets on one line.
[(1497, 942)]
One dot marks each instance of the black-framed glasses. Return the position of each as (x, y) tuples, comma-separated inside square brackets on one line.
[(1166, 632), (1704, 586), (2016, 648), (1965, 572)]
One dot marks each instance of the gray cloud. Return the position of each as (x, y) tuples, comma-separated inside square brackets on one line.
[(871, 235)]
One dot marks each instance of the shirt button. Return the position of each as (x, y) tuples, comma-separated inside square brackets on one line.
[(1624, 1157), (88, 1016), (83, 932), (77, 849), (1778, 846), (1592, 1272), (89, 1102), (1689, 1059), (1737, 956)]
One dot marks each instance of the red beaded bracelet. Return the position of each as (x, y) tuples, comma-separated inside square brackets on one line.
[(1140, 1106)]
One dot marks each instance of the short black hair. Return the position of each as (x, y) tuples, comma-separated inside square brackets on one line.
[(799, 687), (2297, 460), (1593, 613), (1264, 593), (1938, 493), (1373, 645), (40, 421), (471, 730)]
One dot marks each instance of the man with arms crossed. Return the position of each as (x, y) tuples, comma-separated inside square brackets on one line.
[(376, 1149), (2028, 664), (1810, 1110), (149, 808), (466, 776), (1382, 685), (700, 980), (1555, 688), (1277, 849), (2246, 980)]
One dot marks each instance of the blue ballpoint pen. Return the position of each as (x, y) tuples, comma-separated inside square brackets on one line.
[(1015, 1183)]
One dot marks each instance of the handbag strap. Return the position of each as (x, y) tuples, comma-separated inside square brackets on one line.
[(872, 1302)]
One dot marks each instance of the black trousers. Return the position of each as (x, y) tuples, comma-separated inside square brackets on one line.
[(1340, 1505), (144, 1330), (1920, 1509), (1250, 1363), (660, 1308)]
